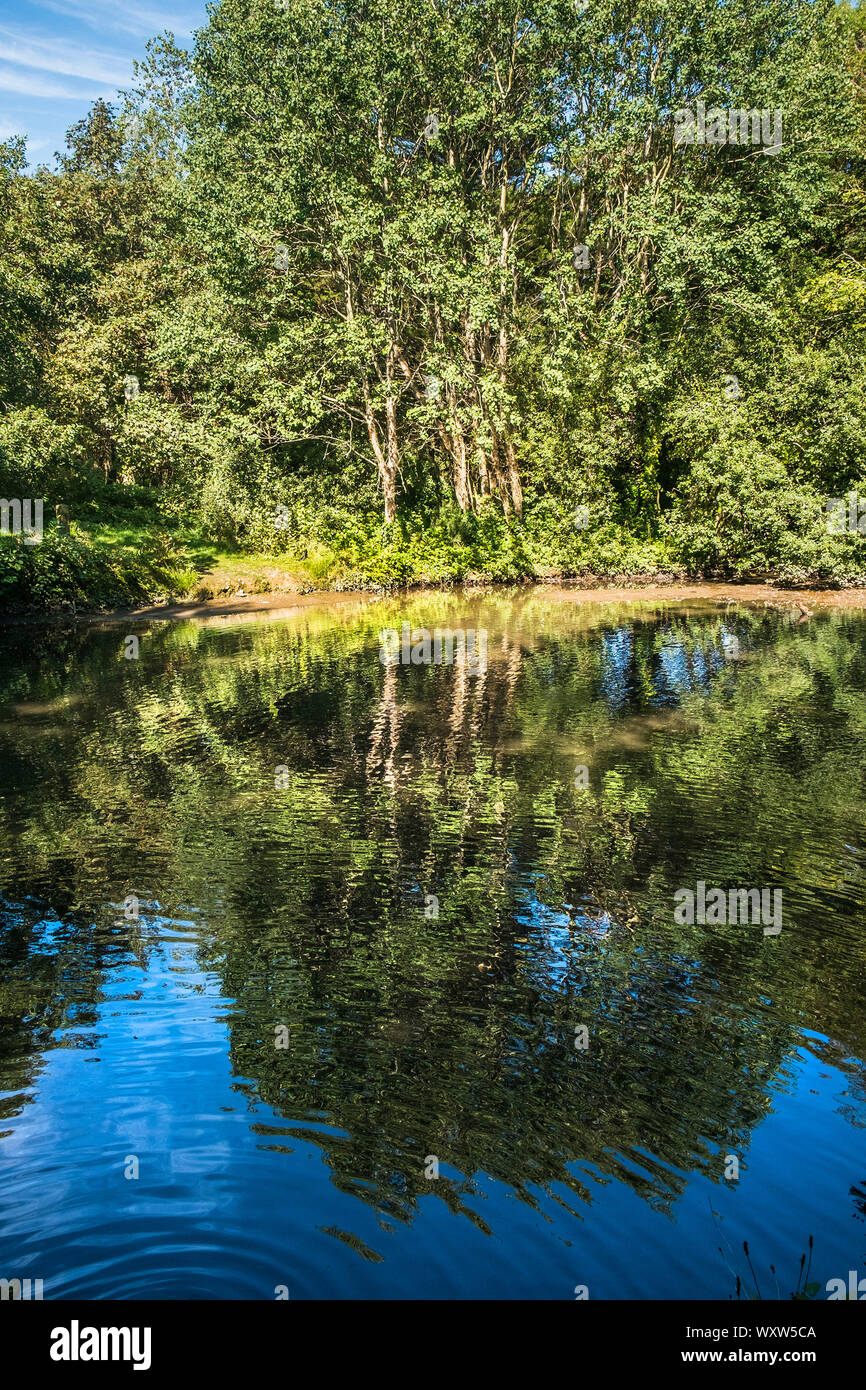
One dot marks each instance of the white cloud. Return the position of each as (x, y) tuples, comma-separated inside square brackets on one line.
[(129, 19), (27, 85), (61, 56)]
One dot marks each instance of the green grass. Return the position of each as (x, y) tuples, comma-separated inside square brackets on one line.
[(130, 556)]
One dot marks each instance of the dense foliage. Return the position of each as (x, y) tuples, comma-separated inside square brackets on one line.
[(420, 291)]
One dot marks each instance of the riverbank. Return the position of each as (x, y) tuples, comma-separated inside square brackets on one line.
[(805, 602), (122, 571), (126, 564)]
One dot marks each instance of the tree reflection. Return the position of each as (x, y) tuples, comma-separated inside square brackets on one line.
[(454, 1035)]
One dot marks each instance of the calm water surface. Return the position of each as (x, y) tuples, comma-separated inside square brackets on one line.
[(377, 908)]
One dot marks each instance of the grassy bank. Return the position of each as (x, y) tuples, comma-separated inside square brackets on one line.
[(124, 562), (90, 572)]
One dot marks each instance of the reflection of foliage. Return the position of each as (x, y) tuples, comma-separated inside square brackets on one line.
[(859, 1195), (50, 978), (455, 1036)]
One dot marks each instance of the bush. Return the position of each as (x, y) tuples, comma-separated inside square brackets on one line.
[(739, 514), (74, 572)]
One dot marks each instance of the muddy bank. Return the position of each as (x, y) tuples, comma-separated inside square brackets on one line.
[(203, 610), (714, 591), (277, 604), (806, 600)]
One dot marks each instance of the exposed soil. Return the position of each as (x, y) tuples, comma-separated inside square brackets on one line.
[(807, 600)]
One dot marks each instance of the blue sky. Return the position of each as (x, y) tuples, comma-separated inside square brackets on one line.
[(58, 56)]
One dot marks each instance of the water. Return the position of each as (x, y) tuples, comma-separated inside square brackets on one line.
[(395, 873)]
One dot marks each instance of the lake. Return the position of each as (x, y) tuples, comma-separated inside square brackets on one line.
[(326, 974)]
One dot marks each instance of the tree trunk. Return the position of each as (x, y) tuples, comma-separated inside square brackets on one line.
[(462, 485), (498, 475), (387, 474), (389, 478), (514, 478)]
